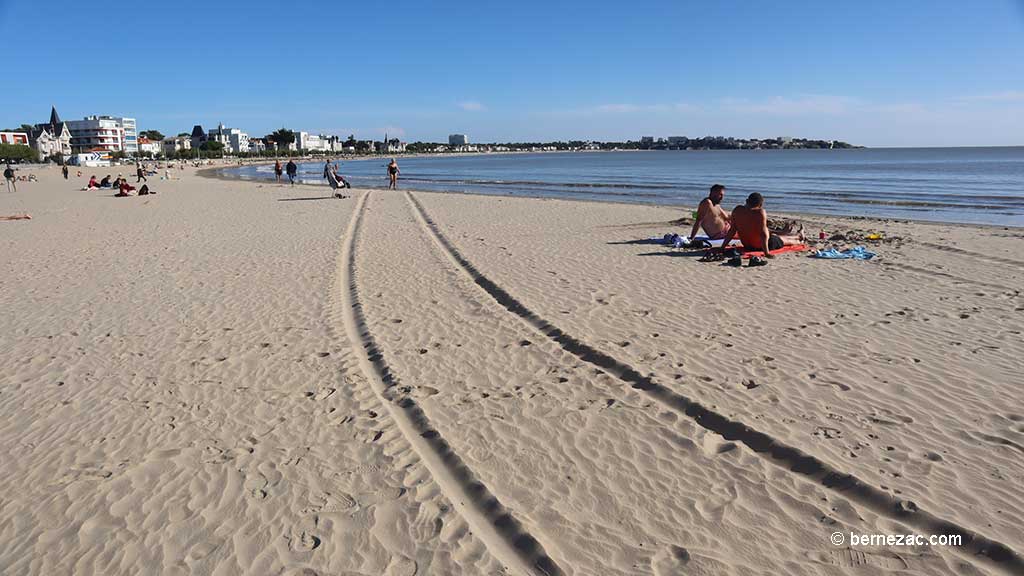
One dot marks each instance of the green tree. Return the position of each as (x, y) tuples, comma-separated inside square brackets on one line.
[(212, 146), (283, 137), (183, 134), (154, 135), (18, 153)]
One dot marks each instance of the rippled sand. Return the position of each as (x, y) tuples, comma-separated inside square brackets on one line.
[(242, 378)]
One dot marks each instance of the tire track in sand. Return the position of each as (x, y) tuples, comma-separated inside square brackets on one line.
[(975, 545), (503, 535)]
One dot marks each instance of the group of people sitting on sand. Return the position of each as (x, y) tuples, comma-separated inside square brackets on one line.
[(748, 222), (120, 184)]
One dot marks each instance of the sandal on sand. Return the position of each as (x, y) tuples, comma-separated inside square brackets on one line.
[(712, 256), (735, 261), (758, 261)]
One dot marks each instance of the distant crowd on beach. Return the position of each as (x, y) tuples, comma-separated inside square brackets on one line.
[(331, 173)]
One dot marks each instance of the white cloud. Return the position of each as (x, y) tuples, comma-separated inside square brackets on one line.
[(471, 106), (803, 105), (636, 108), (1005, 96)]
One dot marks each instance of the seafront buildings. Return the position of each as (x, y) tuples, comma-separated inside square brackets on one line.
[(458, 140), (104, 133), (173, 144), (233, 139)]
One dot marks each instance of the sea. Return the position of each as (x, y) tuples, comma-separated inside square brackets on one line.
[(960, 185)]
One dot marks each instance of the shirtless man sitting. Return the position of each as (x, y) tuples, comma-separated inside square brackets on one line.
[(750, 223), (710, 215)]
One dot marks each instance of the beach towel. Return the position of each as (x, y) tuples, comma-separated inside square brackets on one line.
[(855, 253), (783, 250), (677, 241)]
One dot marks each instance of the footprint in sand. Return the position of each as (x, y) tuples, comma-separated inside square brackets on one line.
[(713, 445), (401, 566), (329, 503), (323, 393), (850, 558), (670, 561), (302, 542), (255, 485), (428, 523)]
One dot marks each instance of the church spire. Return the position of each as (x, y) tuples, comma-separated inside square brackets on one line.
[(54, 119)]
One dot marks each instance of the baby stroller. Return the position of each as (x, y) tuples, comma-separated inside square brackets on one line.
[(337, 182)]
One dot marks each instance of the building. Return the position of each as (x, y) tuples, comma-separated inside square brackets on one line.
[(458, 139), (52, 138), (309, 142), (198, 136), (105, 133), (173, 144), (131, 135), (147, 146), (394, 146), (233, 139), (257, 145), (20, 138)]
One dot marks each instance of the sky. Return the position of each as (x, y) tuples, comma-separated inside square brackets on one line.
[(874, 73)]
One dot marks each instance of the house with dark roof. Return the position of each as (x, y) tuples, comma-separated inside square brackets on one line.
[(52, 138), (198, 136)]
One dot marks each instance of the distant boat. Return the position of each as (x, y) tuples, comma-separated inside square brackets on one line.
[(831, 144)]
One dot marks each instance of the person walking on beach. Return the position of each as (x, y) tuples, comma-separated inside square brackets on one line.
[(711, 216), (292, 170), (140, 174), (393, 173), (327, 168), (278, 170), (64, 170), (9, 176)]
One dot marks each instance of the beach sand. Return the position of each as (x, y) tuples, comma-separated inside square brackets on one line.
[(245, 378)]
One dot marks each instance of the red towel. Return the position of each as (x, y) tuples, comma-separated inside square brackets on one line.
[(783, 250)]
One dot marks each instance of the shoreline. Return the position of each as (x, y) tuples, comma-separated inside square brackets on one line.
[(214, 172)]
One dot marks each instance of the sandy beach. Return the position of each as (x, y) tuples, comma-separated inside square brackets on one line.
[(245, 378)]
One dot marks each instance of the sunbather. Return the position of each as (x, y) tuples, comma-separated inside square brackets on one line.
[(750, 223), (710, 215)]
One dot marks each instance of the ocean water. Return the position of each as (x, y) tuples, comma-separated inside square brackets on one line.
[(966, 185)]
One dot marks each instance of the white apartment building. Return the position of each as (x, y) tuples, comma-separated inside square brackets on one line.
[(458, 139), (173, 144), (233, 139), (131, 135), (307, 141), (97, 133), (150, 146), (318, 142)]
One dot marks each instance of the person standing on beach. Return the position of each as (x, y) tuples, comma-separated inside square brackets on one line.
[(140, 174), (327, 168), (9, 176), (292, 170), (278, 170), (393, 173), (64, 170), (711, 216)]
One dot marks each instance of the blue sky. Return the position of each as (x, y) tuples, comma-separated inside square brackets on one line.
[(878, 73)]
